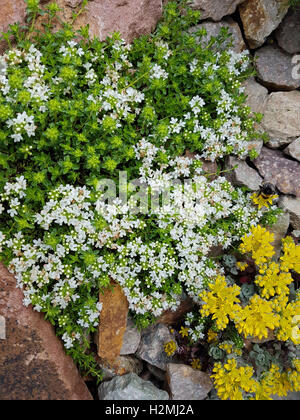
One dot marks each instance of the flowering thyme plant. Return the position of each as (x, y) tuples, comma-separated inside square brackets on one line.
[(74, 112)]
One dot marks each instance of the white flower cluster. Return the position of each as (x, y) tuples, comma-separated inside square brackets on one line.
[(13, 193), (22, 124), (196, 332), (152, 272)]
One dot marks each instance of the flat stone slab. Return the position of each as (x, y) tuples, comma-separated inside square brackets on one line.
[(215, 9), (282, 118), (213, 29), (276, 168), (113, 323), (33, 363), (275, 68), (131, 18)]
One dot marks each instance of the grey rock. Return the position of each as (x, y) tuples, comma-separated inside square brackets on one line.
[(260, 18), (292, 206), (243, 175), (131, 339), (275, 68), (282, 117), (186, 383), (288, 33), (279, 229), (257, 95), (293, 149), (151, 348), (215, 9), (282, 172), (130, 387), (213, 30), (121, 366)]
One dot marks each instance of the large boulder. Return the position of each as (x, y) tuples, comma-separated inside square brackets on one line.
[(275, 68), (130, 387), (282, 118), (282, 172), (260, 18), (215, 9), (213, 30), (288, 33), (186, 383), (33, 363), (130, 18)]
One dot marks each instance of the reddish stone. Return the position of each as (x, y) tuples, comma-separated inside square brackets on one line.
[(129, 17), (11, 11), (33, 363), (113, 322)]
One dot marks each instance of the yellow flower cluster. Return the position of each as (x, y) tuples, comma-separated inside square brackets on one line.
[(274, 382), (212, 336), (170, 348), (231, 381), (221, 302), (294, 376), (291, 256), (273, 281), (241, 265), (271, 310), (289, 317), (257, 318), (230, 348), (258, 243)]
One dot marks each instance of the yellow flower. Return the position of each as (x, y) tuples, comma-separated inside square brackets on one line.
[(274, 282), (257, 318), (221, 302), (170, 348), (273, 383), (242, 265), (262, 201), (289, 315), (258, 243), (231, 381), (196, 364), (212, 336), (294, 376), (184, 332), (291, 257), (228, 348)]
